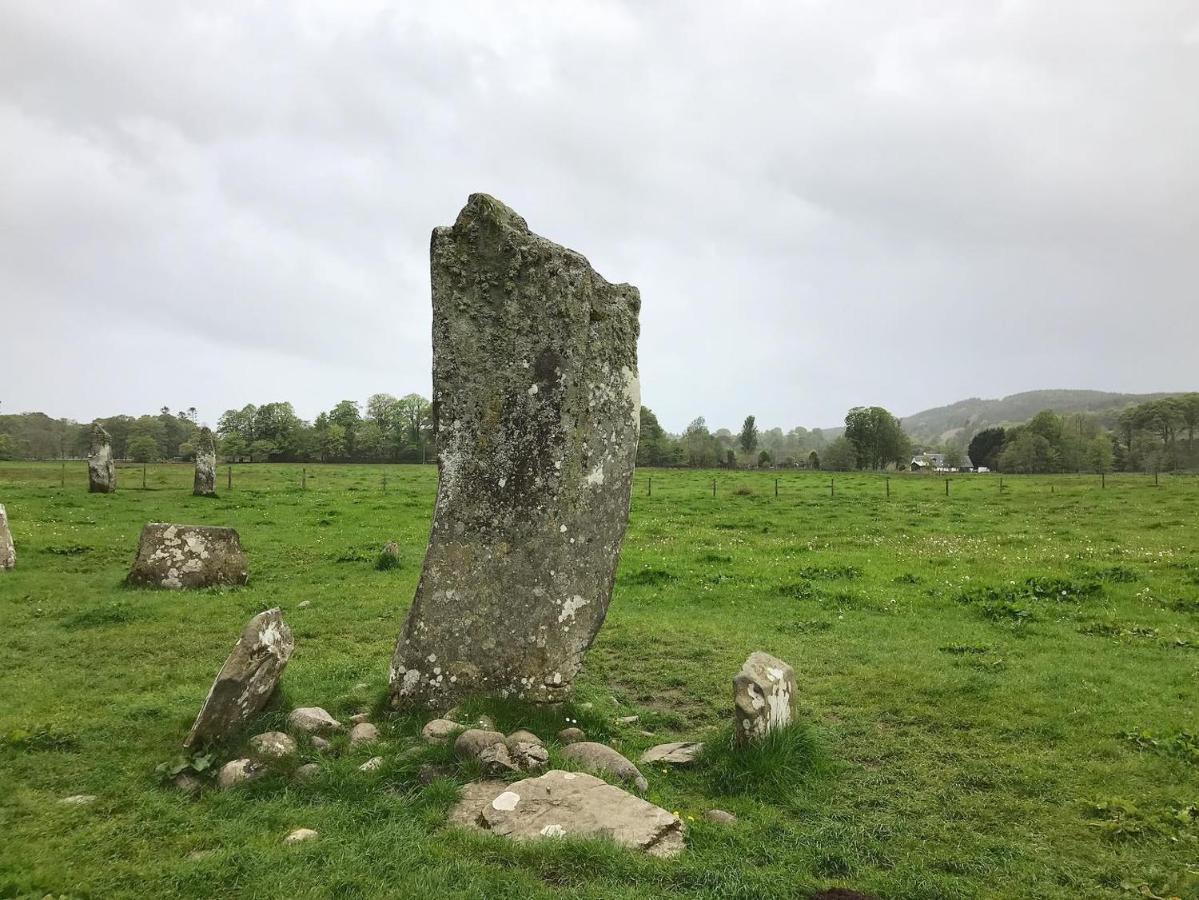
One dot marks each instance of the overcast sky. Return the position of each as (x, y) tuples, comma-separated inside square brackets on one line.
[(824, 204)]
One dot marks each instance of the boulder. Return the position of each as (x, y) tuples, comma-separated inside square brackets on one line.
[(439, 731), (601, 758), (571, 735), (363, 733), (204, 483), (320, 745), (561, 804), (763, 697), (474, 741), (312, 720), (272, 745), (8, 552), (536, 400), (246, 680), (101, 470), (188, 556), (678, 753), (238, 771), (523, 736)]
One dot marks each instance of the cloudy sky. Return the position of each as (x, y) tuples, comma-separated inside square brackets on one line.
[(824, 204)]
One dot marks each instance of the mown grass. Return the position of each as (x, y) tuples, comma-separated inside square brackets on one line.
[(997, 690)]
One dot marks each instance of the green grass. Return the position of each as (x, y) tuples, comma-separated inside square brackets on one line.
[(997, 691)]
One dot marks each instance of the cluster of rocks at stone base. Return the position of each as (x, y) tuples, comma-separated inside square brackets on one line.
[(8, 551), (188, 556)]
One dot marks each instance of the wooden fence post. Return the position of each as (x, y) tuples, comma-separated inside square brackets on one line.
[(229, 477)]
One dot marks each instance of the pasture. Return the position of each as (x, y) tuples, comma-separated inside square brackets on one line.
[(1001, 688)]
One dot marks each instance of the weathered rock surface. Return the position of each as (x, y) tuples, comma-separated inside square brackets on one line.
[(307, 772), (272, 745), (720, 817), (238, 771), (246, 680), (536, 404), (677, 753), (602, 758), (204, 484), (101, 470), (439, 731), (8, 552), (474, 741), (558, 804), (312, 720), (571, 735), (188, 556), (527, 756), (363, 733), (763, 697), (372, 765), (496, 760), (300, 835), (524, 736)]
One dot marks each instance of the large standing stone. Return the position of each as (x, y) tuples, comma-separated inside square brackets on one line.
[(101, 471), (205, 481), (8, 552), (763, 696), (246, 680), (536, 407), (561, 804), (188, 556)]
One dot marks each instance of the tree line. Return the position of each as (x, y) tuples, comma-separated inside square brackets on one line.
[(1155, 436)]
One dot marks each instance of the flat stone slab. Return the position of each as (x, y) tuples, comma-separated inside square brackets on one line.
[(537, 409), (246, 680), (188, 556), (678, 753), (569, 804)]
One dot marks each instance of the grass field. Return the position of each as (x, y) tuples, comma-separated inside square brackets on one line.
[(1001, 688)]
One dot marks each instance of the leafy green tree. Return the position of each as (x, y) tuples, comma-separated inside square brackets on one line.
[(1099, 453), (876, 436), (764, 459), (748, 439), (954, 457), (143, 448), (839, 456), (1028, 452), (986, 446)]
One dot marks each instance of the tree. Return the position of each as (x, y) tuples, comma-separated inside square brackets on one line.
[(985, 447), (1028, 452), (764, 459), (654, 446), (839, 456), (143, 448), (1099, 453), (748, 439), (876, 436), (954, 457), (700, 448)]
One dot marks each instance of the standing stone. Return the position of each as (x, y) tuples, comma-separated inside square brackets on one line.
[(763, 697), (8, 552), (205, 481), (188, 556), (536, 409), (247, 679), (101, 471)]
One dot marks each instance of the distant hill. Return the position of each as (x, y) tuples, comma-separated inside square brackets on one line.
[(967, 417)]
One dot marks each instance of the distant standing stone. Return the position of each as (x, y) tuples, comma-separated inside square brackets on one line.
[(188, 556), (246, 680), (763, 697), (537, 403), (101, 471), (8, 552), (205, 480)]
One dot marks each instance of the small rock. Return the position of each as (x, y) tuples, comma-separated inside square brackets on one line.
[(571, 735), (307, 772), (526, 737), (304, 604), (474, 741), (495, 760), (645, 733), (359, 718), (312, 720), (78, 800), (272, 745), (439, 731), (187, 784), (603, 759), (628, 720), (678, 753), (320, 744), (363, 733), (375, 762), (720, 817), (237, 771), (429, 773), (529, 757), (300, 835)]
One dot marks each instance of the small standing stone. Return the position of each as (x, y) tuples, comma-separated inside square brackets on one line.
[(188, 556), (8, 552), (363, 733), (300, 835), (312, 720), (204, 484), (246, 680), (101, 470), (272, 745), (763, 697)]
